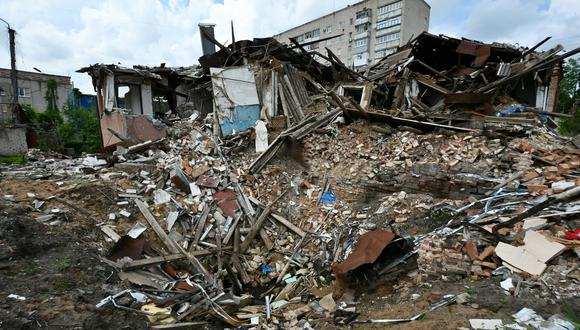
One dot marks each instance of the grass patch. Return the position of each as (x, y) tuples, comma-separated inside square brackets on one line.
[(571, 315), (62, 283), (13, 160), (63, 264)]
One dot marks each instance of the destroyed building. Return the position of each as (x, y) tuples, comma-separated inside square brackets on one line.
[(129, 99), (277, 191)]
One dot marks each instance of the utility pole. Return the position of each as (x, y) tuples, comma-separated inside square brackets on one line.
[(14, 76), (13, 73)]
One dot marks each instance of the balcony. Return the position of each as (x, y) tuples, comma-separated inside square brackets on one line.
[(360, 59), (363, 20), (390, 14), (362, 35), (389, 44), (389, 30), (360, 49)]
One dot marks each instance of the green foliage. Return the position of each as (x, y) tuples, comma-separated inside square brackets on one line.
[(571, 126), (79, 131), (63, 264), (13, 160), (569, 94), (571, 315)]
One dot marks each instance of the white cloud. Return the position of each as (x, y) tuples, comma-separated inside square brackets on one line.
[(525, 22), (60, 36)]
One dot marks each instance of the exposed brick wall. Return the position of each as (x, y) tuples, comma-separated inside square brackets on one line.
[(434, 179)]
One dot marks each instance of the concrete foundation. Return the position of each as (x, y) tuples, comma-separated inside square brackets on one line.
[(13, 141)]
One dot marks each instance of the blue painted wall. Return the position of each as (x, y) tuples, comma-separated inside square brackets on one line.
[(245, 116)]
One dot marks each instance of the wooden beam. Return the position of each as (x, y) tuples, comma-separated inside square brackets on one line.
[(258, 224), (168, 242), (288, 224)]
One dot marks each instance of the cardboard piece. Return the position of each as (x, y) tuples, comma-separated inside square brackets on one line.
[(533, 255)]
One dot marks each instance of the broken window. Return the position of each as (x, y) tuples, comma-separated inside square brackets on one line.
[(312, 34), (354, 92), (363, 13), (362, 28), (160, 104), (388, 23), (124, 93), (2, 92), (327, 29)]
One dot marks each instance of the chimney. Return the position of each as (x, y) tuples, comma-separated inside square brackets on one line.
[(206, 29)]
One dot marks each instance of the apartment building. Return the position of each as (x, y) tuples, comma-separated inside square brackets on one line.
[(364, 32), (32, 87)]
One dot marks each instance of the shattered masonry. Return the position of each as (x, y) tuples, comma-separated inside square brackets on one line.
[(439, 164)]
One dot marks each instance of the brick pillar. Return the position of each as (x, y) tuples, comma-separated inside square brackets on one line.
[(554, 88)]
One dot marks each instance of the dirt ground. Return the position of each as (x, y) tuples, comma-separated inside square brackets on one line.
[(58, 269)]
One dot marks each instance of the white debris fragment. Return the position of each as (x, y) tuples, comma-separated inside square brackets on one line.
[(171, 218), (507, 284), (161, 196), (92, 161), (16, 297), (125, 213), (528, 317), (195, 191), (137, 230), (486, 324), (9, 197)]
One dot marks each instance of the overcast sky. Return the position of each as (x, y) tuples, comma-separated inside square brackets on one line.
[(60, 36)]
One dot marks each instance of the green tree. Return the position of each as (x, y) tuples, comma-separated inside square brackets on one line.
[(569, 96), (81, 128), (51, 117), (73, 127)]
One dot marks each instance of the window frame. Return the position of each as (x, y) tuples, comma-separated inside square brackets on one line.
[(22, 91), (389, 23)]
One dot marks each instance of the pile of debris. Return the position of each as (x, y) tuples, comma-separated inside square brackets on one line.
[(291, 183), (466, 83)]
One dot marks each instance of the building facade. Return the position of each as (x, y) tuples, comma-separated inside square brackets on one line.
[(32, 87), (364, 32)]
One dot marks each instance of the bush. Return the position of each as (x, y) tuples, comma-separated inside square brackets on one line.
[(80, 129), (570, 126)]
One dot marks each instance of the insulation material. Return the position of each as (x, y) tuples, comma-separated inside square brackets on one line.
[(109, 93), (236, 103), (261, 136)]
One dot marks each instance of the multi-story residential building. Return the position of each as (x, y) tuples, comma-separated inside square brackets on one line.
[(364, 32), (32, 88)]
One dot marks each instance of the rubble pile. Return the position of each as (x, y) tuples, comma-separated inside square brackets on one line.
[(290, 198)]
